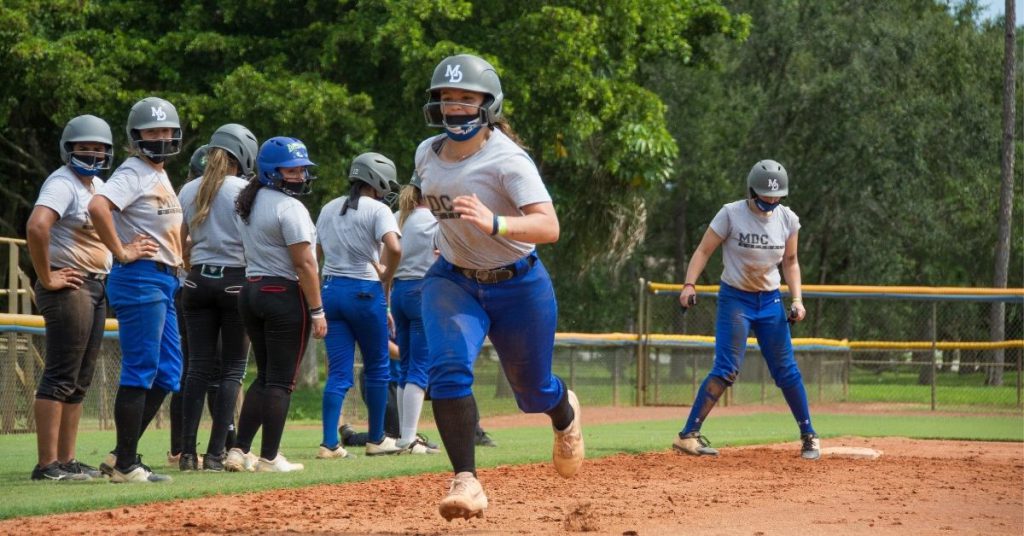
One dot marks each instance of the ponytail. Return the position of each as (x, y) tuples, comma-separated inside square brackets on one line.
[(354, 193), (246, 199), (218, 164), (408, 200)]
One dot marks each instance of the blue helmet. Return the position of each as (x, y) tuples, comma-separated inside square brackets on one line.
[(283, 152)]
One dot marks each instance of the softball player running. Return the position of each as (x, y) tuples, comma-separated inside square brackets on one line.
[(418, 227), (492, 209), (137, 215), (758, 234), (218, 347), (71, 265), (350, 231), (280, 299)]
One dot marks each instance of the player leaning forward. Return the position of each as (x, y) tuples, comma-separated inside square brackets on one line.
[(757, 234), (492, 209)]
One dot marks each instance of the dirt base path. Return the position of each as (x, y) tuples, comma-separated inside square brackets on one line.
[(915, 487)]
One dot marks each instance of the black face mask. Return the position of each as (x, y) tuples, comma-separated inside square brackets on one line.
[(158, 150), (296, 188)]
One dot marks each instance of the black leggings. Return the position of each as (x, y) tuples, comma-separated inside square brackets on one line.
[(217, 351), (74, 330), (276, 318)]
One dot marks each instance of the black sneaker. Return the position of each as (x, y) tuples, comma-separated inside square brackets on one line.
[(484, 440), (426, 442), (214, 462), (78, 468), (810, 447), (54, 472), (188, 462), (351, 438)]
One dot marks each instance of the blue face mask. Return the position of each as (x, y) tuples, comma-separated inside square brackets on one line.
[(765, 206), (86, 166), (461, 127)]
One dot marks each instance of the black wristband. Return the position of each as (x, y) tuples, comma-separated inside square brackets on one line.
[(494, 225), (316, 310)]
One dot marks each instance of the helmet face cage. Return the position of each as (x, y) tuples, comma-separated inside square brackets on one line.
[(468, 73), (284, 152), (391, 197), (240, 143), (87, 129), (769, 179), (154, 112), (197, 164), (376, 170)]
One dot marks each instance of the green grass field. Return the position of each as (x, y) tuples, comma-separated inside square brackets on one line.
[(516, 446)]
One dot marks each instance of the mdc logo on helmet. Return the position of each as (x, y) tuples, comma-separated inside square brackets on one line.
[(454, 73), (298, 150), (158, 112)]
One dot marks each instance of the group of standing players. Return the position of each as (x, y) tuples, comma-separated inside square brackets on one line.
[(459, 265)]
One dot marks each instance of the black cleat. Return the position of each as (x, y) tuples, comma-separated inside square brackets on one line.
[(78, 468), (484, 440), (214, 462), (188, 462), (54, 472), (810, 447)]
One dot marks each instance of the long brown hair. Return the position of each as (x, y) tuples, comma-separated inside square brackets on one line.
[(503, 125), (408, 200), (246, 198), (218, 164)]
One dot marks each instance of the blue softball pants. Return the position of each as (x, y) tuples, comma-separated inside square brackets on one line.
[(519, 315), (407, 311), (356, 313), (142, 295)]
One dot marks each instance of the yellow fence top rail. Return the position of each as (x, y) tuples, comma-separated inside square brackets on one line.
[(869, 289)]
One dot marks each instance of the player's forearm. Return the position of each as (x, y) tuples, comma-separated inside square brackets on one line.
[(538, 228), (791, 271), (103, 221)]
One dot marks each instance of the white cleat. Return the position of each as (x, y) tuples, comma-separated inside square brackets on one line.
[(278, 465), (327, 453), (465, 499), (238, 461), (568, 452), (387, 446)]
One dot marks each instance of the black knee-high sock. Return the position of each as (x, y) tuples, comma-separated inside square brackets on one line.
[(562, 414), (154, 399), (223, 413), (455, 423), (177, 419), (275, 412), (129, 405), (251, 418)]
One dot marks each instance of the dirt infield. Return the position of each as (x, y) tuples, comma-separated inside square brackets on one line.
[(915, 487)]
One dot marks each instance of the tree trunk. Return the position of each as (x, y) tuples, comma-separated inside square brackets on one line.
[(997, 317)]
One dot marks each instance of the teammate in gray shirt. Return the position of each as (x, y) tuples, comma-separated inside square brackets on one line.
[(757, 234)]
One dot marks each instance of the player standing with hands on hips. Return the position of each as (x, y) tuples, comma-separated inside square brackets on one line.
[(71, 266), (758, 234), (492, 208), (280, 299), (138, 217)]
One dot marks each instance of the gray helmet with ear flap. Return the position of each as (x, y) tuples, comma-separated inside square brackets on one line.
[(240, 143), (85, 129), (469, 73), (197, 164), (154, 112), (768, 178), (376, 170)]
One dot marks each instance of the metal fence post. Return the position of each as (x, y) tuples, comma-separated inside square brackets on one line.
[(572, 368), (935, 367), (640, 343), (616, 363), (847, 368)]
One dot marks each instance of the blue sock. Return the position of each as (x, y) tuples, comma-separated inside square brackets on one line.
[(707, 397), (796, 397), (331, 408), (376, 405)]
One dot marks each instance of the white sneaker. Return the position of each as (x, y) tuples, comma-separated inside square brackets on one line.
[(385, 447), (238, 461), (137, 473), (465, 498), (278, 465), (326, 453), (568, 451), (417, 447)]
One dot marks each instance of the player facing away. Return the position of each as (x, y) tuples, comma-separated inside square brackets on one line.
[(756, 235), (488, 281), (138, 218)]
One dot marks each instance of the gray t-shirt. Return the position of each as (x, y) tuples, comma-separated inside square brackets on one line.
[(352, 242), (505, 179), (73, 240), (146, 205), (276, 221), (753, 245), (216, 240), (417, 244)]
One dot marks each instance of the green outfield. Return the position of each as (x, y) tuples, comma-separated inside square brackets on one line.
[(517, 446)]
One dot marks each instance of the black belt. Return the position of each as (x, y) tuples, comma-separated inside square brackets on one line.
[(213, 271), (495, 275), (95, 276), (166, 268)]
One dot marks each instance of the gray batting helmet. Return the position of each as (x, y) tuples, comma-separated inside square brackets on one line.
[(376, 170), (87, 128), (768, 178), (466, 72), (240, 143), (415, 180), (197, 164), (154, 112)]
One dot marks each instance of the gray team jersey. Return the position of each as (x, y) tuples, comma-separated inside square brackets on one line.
[(73, 240), (216, 240), (276, 221), (351, 243), (505, 179), (753, 245), (417, 244), (146, 205)]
